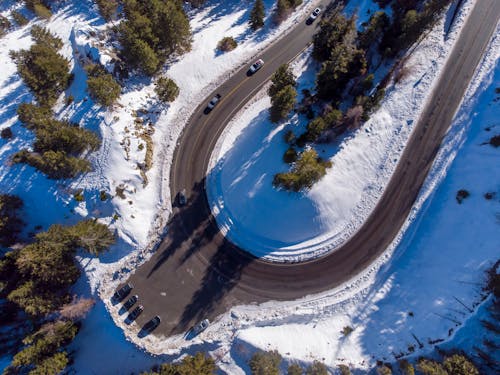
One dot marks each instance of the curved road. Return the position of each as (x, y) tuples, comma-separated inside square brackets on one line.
[(196, 273)]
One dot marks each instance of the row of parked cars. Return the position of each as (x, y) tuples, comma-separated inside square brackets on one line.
[(121, 294), (151, 325)]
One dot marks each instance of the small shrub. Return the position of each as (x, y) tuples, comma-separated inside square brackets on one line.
[(384, 370), (103, 196), (289, 137), (166, 89), (317, 368), (265, 363), (347, 330), (70, 99), (290, 156), (294, 369), (489, 195), (79, 196), (406, 367), (227, 44), (19, 18), (307, 170), (461, 195), (120, 192), (6, 133), (344, 370), (42, 11), (257, 15), (495, 141)]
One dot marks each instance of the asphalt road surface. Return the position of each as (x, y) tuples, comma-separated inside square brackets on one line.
[(196, 273)]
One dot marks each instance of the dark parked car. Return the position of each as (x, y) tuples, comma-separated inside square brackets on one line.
[(135, 313), (130, 302), (152, 324), (201, 326), (121, 293)]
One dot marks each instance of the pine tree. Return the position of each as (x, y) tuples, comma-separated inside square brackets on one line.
[(257, 15)]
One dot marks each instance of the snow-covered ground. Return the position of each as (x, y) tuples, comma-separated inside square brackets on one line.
[(283, 226), (375, 305)]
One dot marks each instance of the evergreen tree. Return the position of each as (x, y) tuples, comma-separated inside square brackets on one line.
[(282, 103), (294, 369), (10, 222), (104, 89), (317, 368), (257, 15), (281, 78)]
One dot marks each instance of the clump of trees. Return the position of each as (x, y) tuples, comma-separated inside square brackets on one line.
[(410, 20), (152, 31), (257, 14), (101, 85), (10, 220), (268, 363), (166, 89), (37, 278), (456, 364), (58, 143), (282, 92), (305, 172), (199, 364), (226, 44), (42, 68)]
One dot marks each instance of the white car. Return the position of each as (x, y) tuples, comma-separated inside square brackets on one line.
[(213, 102), (315, 13), (256, 66)]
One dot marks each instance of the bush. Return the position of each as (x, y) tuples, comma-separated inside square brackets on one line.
[(459, 365), (461, 195), (104, 89), (6, 133), (290, 155), (10, 222), (199, 364), (19, 18), (344, 370), (265, 363), (307, 170), (33, 116), (406, 367), (289, 137), (228, 43), (384, 370), (294, 369), (347, 330), (166, 89), (428, 367), (317, 368), (42, 11)]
